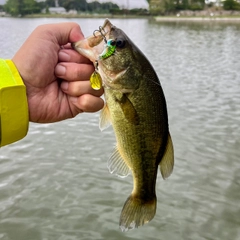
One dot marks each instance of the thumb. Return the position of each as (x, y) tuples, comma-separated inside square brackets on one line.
[(63, 32)]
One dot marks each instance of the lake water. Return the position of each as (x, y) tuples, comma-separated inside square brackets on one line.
[(54, 184)]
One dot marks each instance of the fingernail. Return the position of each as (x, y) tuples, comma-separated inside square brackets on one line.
[(63, 56), (64, 86), (60, 70)]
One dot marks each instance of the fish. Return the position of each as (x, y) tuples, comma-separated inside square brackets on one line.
[(136, 108)]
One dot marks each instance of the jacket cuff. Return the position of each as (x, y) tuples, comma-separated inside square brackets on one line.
[(14, 117)]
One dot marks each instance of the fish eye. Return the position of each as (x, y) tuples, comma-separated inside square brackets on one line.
[(111, 42), (120, 43)]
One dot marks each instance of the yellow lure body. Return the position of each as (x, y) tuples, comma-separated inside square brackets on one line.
[(96, 81)]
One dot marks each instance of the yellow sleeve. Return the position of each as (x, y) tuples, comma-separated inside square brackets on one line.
[(13, 104)]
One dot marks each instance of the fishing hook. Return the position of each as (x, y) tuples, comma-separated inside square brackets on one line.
[(101, 30), (96, 65)]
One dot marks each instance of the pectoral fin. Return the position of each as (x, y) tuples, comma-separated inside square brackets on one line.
[(117, 165), (167, 162), (105, 120), (128, 109)]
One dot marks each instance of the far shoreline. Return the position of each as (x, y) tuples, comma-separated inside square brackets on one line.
[(86, 16), (197, 19), (170, 18)]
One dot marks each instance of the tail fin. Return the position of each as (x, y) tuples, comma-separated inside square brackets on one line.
[(136, 212)]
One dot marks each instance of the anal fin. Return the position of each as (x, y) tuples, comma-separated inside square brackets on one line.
[(117, 165), (167, 161)]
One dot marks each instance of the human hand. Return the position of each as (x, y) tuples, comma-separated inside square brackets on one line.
[(43, 61)]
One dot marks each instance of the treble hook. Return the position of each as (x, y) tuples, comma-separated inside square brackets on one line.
[(100, 31)]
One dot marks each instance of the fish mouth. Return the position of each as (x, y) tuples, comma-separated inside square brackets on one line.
[(92, 46)]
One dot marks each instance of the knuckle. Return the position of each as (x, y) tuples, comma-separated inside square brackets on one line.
[(85, 102)]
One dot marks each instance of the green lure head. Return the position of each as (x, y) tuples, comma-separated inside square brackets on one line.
[(109, 49)]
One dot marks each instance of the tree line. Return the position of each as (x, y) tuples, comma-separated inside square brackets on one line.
[(166, 7), (25, 7), (169, 7)]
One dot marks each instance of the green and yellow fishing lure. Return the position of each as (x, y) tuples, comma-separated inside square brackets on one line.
[(95, 79)]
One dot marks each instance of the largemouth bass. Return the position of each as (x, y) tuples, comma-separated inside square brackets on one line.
[(136, 108)]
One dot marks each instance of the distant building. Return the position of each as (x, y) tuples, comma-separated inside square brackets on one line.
[(57, 10), (2, 14)]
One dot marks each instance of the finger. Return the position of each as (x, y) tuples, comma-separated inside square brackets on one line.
[(86, 103), (70, 55), (79, 88), (73, 71)]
